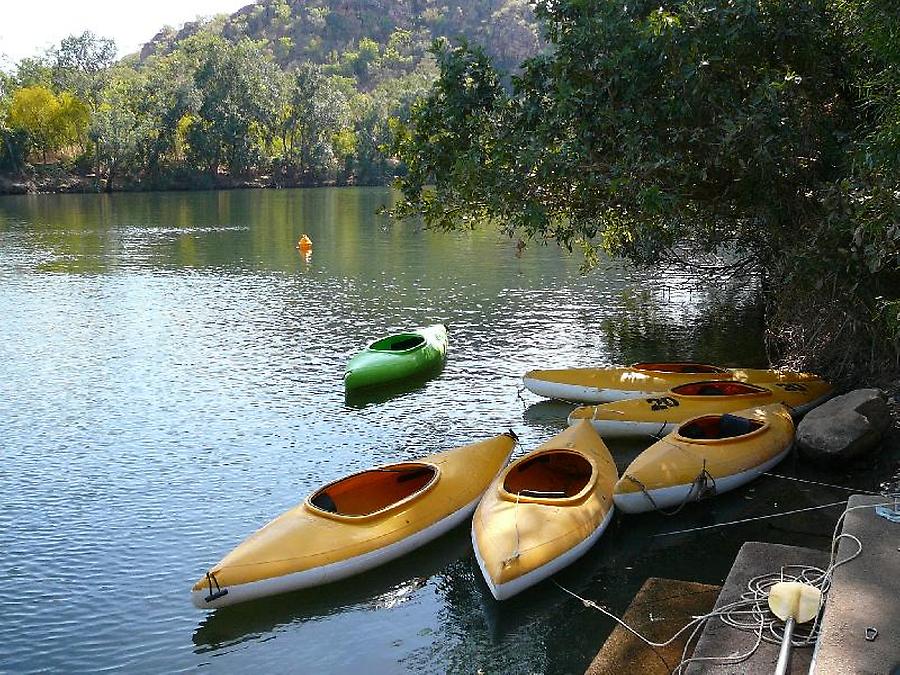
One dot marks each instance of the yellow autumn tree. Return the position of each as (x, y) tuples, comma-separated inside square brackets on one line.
[(50, 122)]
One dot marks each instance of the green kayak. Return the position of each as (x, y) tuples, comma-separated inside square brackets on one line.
[(396, 357)]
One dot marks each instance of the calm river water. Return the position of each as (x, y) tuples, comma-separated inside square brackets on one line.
[(170, 379)]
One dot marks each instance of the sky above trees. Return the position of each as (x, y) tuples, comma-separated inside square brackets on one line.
[(28, 28)]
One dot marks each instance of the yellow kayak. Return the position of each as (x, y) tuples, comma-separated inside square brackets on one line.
[(658, 414), (356, 523), (544, 511), (603, 385), (705, 456)]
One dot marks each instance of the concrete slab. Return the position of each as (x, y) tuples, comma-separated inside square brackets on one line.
[(865, 593), (719, 639), (660, 608)]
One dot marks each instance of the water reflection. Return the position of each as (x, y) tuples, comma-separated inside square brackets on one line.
[(171, 379), (360, 398), (384, 587), (549, 415)]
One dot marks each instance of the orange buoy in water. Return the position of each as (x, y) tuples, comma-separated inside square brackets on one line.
[(304, 243)]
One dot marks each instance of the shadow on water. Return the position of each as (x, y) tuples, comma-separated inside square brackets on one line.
[(382, 587), (633, 548), (362, 398), (550, 415), (217, 283)]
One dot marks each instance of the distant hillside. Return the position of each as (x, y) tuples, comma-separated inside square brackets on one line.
[(345, 35), (282, 92)]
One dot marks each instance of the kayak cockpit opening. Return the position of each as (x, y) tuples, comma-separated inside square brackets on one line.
[(719, 426), (716, 388), (676, 367), (557, 474), (369, 492), (398, 343)]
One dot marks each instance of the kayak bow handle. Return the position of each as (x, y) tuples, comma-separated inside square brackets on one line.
[(220, 592)]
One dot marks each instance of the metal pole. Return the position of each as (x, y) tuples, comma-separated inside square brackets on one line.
[(784, 656)]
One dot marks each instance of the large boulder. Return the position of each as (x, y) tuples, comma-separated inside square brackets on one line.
[(844, 427)]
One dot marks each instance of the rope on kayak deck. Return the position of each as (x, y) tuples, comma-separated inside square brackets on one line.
[(515, 556), (704, 483), (751, 612), (661, 434)]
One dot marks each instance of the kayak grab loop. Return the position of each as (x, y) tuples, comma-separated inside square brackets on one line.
[(220, 592)]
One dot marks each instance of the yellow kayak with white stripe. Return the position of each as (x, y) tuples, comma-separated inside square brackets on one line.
[(603, 385), (544, 511), (659, 413), (704, 456), (356, 523)]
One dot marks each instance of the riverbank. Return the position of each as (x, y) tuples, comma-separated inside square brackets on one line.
[(858, 628), (56, 180)]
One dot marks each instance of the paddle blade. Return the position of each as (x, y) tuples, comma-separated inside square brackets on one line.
[(794, 599)]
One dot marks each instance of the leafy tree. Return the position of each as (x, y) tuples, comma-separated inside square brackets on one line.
[(119, 131), (164, 94), (33, 71), (314, 112), (377, 113), (12, 143), (72, 119), (685, 133), (80, 61), (204, 98), (33, 111), (236, 84)]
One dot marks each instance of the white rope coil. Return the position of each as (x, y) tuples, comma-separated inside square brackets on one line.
[(751, 612)]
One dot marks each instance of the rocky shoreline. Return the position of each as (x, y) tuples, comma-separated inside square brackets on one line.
[(845, 427)]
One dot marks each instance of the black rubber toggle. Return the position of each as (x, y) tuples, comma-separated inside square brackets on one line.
[(220, 592)]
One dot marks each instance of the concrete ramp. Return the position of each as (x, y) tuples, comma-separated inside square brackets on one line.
[(720, 639), (865, 594)]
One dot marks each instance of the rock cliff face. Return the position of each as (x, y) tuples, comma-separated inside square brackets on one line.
[(844, 427)]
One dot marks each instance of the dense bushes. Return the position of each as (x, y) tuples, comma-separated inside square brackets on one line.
[(761, 133)]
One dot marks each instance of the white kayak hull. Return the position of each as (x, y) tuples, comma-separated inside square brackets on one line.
[(334, 571), (578, 393), (629, 429), (676, 495), (507, 590)]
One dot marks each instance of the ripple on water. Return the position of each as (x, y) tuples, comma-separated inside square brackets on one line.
[(168, 383)]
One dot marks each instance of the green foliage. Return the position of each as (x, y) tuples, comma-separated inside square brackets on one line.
[(33, 71), (296, 92), (47, 122), (683, 132), (237, 84), (118, 130), (78, 64), (314, 113), (370, 38), (72, 120)]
